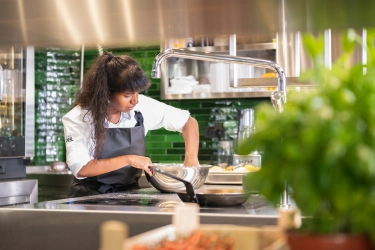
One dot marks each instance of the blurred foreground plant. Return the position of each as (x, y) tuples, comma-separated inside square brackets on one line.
[(323, 144)]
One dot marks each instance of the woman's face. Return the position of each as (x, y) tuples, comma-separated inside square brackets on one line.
[(123, 102)]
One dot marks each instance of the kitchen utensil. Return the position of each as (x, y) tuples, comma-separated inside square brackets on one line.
[(208, 197), (195, 175), (217, 197), (190, 194)]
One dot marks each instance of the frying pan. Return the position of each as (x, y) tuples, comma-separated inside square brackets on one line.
[(208, 197)]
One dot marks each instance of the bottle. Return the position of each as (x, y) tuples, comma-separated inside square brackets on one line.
[(245, 125), (225, 154)]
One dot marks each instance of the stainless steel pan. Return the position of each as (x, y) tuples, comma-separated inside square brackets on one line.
[(208, 197)]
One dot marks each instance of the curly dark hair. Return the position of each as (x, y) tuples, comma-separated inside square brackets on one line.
[(107, 76)]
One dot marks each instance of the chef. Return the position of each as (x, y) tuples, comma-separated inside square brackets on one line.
[(105, 131)]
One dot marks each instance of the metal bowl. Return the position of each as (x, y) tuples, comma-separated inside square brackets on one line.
[(195, 175)]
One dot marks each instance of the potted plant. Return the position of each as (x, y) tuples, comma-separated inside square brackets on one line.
[(323, 146)]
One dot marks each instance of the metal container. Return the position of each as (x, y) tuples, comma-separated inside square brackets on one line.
[(217, 197), (195, 175)]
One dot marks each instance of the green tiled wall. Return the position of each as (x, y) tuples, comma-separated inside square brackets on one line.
[(165, 146), (57, 79), (56, 74)]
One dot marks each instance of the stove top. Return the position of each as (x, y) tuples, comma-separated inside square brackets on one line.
[(120, 202), (144, 198), (150, 199)]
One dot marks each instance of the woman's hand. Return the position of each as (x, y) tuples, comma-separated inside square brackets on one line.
[(102, 166), (141, 162), (191, 161)]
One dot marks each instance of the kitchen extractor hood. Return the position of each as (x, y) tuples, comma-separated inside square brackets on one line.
[(143, 22), (130, 22)]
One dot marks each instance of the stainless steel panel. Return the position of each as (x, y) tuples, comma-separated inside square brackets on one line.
[(12, 111), (73, 229), (132, 22), (319, 15), (18, 192), (30, 103)]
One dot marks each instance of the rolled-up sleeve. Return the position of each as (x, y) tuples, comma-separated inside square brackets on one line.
[(76, 141), (160, 115)]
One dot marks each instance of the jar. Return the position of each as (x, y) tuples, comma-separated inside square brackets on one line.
[(225, 154)]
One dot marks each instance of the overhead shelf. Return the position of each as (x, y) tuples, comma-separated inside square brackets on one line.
[(239, 47)]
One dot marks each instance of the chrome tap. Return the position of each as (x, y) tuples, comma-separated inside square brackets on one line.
[(278, 98)]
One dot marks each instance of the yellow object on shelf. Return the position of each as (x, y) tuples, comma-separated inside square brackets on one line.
[(269, 75), (251, 168)]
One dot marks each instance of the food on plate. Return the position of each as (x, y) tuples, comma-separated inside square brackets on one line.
[(215, 169), (239, 168), (197, 240), (229, 168), (251, 168)]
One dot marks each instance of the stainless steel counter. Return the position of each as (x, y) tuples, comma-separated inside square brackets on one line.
[(151, 200), (74, 223)]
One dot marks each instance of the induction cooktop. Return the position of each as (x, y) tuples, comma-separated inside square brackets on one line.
[(120, 202)]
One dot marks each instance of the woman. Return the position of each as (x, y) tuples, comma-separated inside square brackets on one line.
[(105, 131)]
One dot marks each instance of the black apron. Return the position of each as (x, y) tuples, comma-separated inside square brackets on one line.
[(119, 141)]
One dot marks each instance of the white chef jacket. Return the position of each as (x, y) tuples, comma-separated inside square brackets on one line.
[(78, 128)]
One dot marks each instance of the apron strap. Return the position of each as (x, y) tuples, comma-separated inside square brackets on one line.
[(106, 189), (139, 118)]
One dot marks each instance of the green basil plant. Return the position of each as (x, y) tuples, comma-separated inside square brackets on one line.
[(323, 143)]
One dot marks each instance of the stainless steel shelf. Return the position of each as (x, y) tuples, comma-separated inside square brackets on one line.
[(239, 47), (249, 94), (272, 82), (247, 88)]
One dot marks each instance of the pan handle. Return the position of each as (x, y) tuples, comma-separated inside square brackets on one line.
[(189, 188)]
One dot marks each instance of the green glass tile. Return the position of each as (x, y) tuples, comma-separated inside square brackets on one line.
[(178, 145), (200, 111), (158, 151), (154, 87), (206, 151), (166, 158), (153, 92), (190, 105), (174, 104), (202, 117), (137, 54), (150, 145), (206, 156), (174, 138), (201, 124), (175, 151), (205, 144), (161, 131), (154, 138), (155, 81)]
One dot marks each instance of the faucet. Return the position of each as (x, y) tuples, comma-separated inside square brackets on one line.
[(278, 97)]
